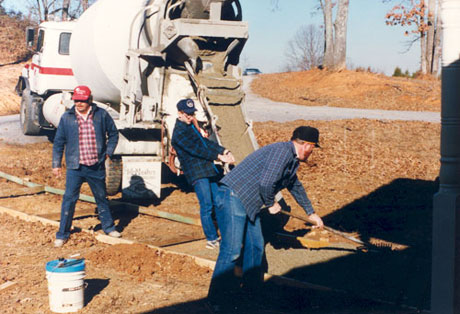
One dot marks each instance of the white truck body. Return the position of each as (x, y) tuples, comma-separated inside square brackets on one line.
[(52, 70), (140, 58)]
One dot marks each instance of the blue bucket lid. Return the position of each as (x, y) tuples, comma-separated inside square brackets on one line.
[(66, 265)]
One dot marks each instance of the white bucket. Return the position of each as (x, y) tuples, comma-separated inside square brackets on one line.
[(65, 285)]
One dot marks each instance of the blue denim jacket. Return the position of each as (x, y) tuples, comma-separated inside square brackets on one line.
[(67, 136)]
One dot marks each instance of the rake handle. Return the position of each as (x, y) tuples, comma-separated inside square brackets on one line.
[(339, 233)]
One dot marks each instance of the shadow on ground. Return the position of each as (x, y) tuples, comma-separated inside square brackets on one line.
[(94, 287), (385, 281), (400, 212)]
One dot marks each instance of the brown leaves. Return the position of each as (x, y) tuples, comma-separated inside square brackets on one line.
[(350, 89), (408, 16), (360, 156)]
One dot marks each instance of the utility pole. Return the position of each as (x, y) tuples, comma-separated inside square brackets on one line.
[(445, 275)]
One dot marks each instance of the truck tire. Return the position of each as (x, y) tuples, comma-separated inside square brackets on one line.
[(113, 173), (27, 115)]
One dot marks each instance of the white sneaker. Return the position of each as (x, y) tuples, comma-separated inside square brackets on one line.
[(214, 244), (59, 242), (114, 234)]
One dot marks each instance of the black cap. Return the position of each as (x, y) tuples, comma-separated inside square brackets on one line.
[(186, 105), (307, 134)]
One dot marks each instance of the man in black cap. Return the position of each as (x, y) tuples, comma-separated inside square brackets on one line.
[(196, 155), (249, 188)]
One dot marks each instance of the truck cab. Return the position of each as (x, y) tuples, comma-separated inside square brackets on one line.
[(49, 72), (51, 69)]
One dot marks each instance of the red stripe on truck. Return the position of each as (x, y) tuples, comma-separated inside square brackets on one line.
[(52, 71)]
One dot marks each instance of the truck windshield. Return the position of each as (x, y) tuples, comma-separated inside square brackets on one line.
[(64, 43), (41, 35)]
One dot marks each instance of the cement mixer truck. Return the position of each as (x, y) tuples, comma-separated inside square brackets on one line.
[(140, 57)]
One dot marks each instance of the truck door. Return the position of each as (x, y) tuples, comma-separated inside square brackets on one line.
[(36, 61)]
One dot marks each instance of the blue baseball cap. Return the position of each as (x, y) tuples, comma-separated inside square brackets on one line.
[(186, 105)]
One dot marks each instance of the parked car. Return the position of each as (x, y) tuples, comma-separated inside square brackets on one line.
[(251, 71)]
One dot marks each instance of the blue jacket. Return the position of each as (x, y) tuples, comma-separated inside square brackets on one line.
[(196, 153), (67, 136)]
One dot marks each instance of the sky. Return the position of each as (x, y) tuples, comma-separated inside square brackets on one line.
[(370, 42)]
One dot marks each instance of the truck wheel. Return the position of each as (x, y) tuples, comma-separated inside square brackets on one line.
[(27, 115), (113, 172)]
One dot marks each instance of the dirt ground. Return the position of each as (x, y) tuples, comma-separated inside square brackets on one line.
[(9, 101), (350, 89), (373, 179)]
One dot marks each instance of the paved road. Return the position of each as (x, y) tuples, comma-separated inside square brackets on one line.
[(10, 132), (258, 109), (262, 109)]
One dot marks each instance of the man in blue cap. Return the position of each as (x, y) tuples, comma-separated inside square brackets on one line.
[(196, 155), (243, 193)]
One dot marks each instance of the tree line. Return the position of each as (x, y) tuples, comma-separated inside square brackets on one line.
[(325, 47), (37, 11), (310, 47)]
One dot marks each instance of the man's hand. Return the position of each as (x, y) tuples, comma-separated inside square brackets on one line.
[(57, 172), (274, 209), (227, 158), (316, 220)]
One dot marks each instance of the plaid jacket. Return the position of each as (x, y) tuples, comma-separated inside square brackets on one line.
[(196, 153), (265, 172)]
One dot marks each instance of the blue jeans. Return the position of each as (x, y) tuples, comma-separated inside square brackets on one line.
[(206, 191), (236, 230), (95, 176)]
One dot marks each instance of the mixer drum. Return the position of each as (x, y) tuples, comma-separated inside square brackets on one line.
[(99, 44)]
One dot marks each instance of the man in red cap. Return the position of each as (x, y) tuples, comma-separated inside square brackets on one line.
[(89, 136)]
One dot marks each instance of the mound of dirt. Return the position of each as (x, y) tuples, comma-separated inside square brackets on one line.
[(9, 100), (350, 89), (141, 262), (12, 51)]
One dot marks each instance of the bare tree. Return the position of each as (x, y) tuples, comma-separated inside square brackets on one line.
[(437, 42), (425, 20), (84, 5), (65, 9), (305, 49), (430, 33), (326, 6), (340, 36), (2, 9), (42, 10), (335, 32)]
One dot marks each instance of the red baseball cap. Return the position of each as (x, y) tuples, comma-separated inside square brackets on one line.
[(81, 93)]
